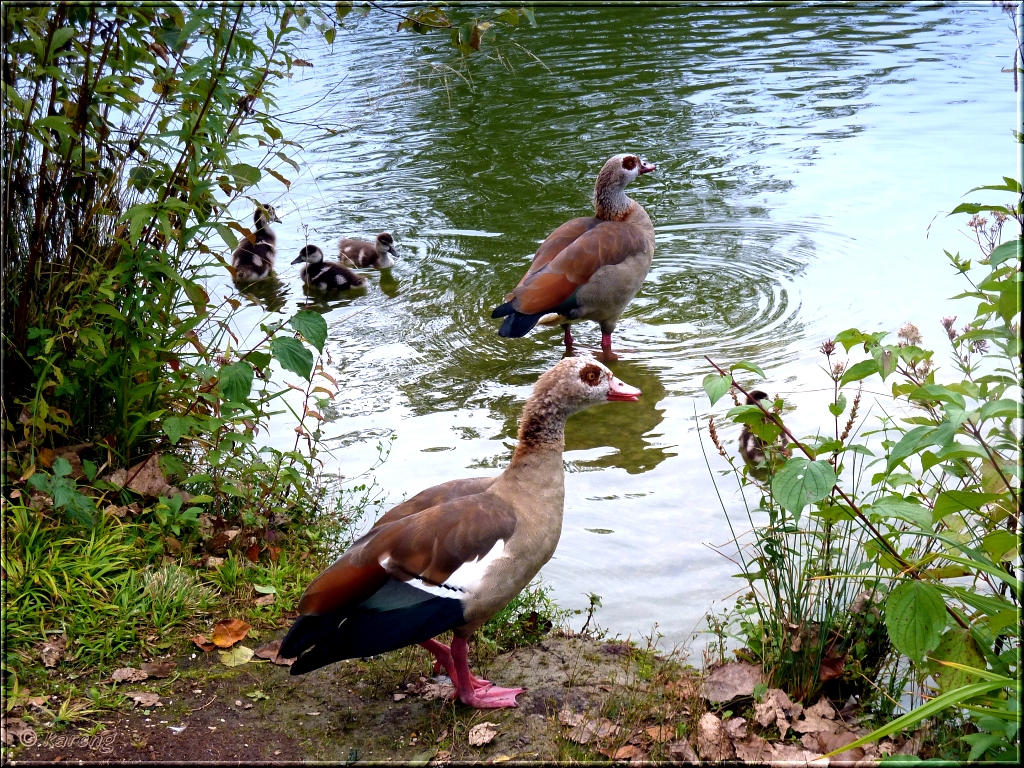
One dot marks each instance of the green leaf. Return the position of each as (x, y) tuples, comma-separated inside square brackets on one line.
[(851, 337), (236, 656), (998, 543), (312, 326), (245, 175), (916, 438), (897, 506), (859, 371), (1004, 252), (915, 616), (801, 482), (949, 502), (235, 382), (886, 358), (60, 37), (1001, 408), (292, 356), (61, 467), (176, 427), (957, 645), (265, 589), (978, 208), (716, 386), (227, 235), (837, 408), (752, 367)]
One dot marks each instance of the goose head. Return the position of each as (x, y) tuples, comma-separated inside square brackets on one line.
[(265, 214), (386, 250), (310, 254), (576, 383), (610, 201), (756, 395)]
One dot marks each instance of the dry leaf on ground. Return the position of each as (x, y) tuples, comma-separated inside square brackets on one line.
[(661, 732), (145, 478), (681, 752), (712, 741), (570, 718), (628, 752), (227, 632), (753, 749), (790, 753), (159, 669), (128, 675), (482, 733), (264, 601), (731, 681), (272, 652), (236, 656), (736, 727), (590, 730), (776, 707), (52, 651), (203, 643), (442, 758), (144, 698)]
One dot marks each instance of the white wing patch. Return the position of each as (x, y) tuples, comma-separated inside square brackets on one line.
[(466, 578)]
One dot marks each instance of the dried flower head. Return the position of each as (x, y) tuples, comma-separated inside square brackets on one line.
[(947, 323), (221, 359), (838, 369), (977, 221), (713, 431), (828, 347), (735, 398), (909, 335), (853, 413), (1000, 217), (923, 367)]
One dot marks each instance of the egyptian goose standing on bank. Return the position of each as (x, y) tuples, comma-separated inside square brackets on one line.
[(589, 268), (360, 253), (254, 259), (454, 555), (325, 275)]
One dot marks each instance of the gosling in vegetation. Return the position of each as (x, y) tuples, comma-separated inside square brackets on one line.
[(325, 275), (254, 259), (753, 448), (360, 253)]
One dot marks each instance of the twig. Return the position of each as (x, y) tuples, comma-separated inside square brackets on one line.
[(204, 705)]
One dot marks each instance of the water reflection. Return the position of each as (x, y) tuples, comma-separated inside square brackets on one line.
[(627, 428), (270, 293)]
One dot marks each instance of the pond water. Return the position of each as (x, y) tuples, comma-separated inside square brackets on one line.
[(806, 158)]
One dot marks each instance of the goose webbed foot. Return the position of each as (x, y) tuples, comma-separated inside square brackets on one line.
[(473, 691), (443, 659)]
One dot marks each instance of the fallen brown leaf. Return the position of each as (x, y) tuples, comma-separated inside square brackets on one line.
[(776, 707), (159, 669), (832, 667), (681, 752), (570, 718), (227, 632), (203, 643), (144, 698), (628, 752), (753, 749), (731, 681), (590, 730), (52, 651), (712, 741), (272, 652), (482, 734), (661, 732), (145, 478), (264, 601), (128, 675)]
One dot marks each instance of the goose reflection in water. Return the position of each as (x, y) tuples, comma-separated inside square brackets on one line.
[(269, 292), (630, 433)]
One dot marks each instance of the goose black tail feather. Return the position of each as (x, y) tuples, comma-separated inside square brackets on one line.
[(518, 324), (376, 626)]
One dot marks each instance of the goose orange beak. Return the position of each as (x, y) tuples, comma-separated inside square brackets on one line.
[(620, 390), (647, 167)]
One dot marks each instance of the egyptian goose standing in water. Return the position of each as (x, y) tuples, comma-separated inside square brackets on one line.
[(325, 275), (254, 259), (360, 253), (589, 268), (454, 555)]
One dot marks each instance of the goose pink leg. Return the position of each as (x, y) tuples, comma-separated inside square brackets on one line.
[(491, 697), (443, 658), (568, 336)]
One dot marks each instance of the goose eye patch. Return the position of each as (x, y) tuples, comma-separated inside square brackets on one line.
[(591, 375), (629, 163)]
